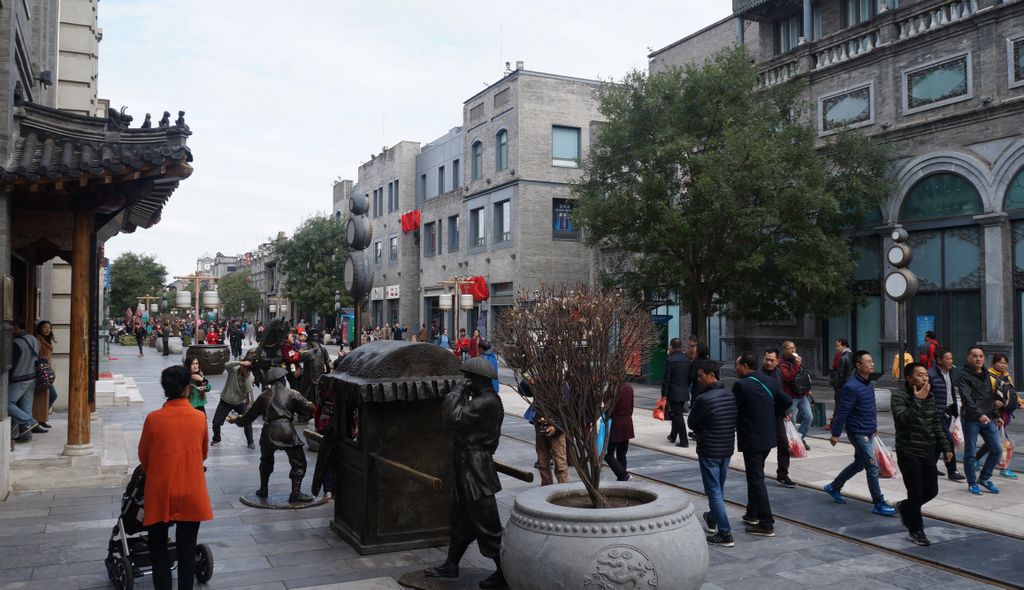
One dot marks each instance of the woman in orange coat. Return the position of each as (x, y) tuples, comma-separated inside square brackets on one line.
[(172, 450)]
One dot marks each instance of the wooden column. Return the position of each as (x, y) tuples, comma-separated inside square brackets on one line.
[(78, 390)]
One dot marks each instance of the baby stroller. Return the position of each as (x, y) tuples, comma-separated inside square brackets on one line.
[(128, 551)]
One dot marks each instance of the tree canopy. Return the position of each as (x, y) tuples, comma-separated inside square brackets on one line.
[(704, 185), (234, 290), (313, 263), (134, 275)]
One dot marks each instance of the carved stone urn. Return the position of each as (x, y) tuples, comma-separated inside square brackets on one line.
[(212, 357), (650, 538)]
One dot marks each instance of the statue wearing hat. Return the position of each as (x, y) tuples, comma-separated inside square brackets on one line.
[(278, 404), (474, 413)]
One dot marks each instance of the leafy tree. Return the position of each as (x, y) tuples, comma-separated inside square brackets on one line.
[(313, 263), (234, 290), (134, 275), (705, 185)]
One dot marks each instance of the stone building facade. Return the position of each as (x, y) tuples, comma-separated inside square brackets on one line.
[(943, 82)]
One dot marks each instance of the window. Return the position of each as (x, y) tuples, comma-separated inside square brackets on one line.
[(393, 248), (440, 180), (423, 185), (1015, 60), (478, 160), (376, 209), (476, 228), (788, 31), (501, 99), (501, 150), (503, 221), (858, 11), (937, 84), (565, 146), (397, 205), (1015, 194), (453, 233), (380, 191), (849, 108), (940, 195), (456, 174), (562, 226), (429, 239), (392, 202), (376, 252)]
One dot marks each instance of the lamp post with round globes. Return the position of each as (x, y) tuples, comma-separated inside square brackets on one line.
[(337, 312), (900, 286)]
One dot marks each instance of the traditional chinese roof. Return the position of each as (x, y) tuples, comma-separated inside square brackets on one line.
[(56, 163)]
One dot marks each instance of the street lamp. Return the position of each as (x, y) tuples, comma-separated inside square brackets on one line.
[(337, 310)]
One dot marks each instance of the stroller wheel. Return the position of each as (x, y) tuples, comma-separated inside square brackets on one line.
[(204, 563), (123, 576)]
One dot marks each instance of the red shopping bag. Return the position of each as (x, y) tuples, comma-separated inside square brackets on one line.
[(796, 444), (659, 409), (887, 466), (1007, 447)]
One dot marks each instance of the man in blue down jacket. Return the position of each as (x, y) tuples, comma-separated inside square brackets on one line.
[(713, 420), (857, 413)]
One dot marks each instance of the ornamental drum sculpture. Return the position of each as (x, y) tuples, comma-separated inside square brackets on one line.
[(388, 446)]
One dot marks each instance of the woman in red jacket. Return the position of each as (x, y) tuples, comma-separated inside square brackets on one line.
[(212, 337), (621, 431), (172, 450)]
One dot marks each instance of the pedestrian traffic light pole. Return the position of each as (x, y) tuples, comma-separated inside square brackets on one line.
[(900, 286)]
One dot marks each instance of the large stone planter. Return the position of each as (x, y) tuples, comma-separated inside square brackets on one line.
[(555, 540), (173, 342), (212, 357)]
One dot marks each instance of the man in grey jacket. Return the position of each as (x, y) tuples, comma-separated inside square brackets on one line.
[(236, 395), (22, 383)]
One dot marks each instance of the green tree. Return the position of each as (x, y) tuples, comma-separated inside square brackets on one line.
[(705, 185), (234, 290), (134, 275), (313, 263)]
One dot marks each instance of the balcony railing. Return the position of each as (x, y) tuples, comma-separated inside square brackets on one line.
[(779, 73), (844, 50), (936, 16)]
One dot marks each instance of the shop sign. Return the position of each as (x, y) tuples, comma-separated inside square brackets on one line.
[(392, 292), (377, 293)]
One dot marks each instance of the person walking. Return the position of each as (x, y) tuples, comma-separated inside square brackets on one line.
[(790, 366), (1006, 403), (621, 430), (549, 441), (841, 372), (44, 336), (857, 415), (140, 335), (759, 403), (919, 438), (21, 384), (165, 337), (713, 419), (928, 352), (979, 416), (771, 374), (236, 396), (675, 389), (235, 336), (943, 379), (172, 449), (444, 341)]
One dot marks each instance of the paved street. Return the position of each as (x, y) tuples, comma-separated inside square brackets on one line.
[(57, 539)]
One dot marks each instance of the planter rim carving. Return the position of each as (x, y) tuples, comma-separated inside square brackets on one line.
[(668, 508)]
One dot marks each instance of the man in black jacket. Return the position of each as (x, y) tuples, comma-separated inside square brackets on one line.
[(713, 420), (978, 415), (760, 401), (943, 379), (770, 370), (844, 370), (676, 389)]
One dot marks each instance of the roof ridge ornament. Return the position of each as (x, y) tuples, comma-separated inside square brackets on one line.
[(165, 121), (180, 122), (118, 121)]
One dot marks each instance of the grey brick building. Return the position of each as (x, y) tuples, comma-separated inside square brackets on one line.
[(943, 80)]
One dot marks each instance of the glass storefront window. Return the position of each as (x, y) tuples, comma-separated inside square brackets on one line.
[(927, 260), (1015, 193), (962, 258), (941, 195)]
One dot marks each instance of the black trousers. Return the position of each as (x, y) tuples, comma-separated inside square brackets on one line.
[(679, 422), (616, 459), (236, 348), (185, 535), (223, 409), (922, 482), (296, 458), (474, 520), (782, 448), (167, 348), (758, 504)]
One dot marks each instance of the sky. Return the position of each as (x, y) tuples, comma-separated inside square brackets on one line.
[(284, 98)]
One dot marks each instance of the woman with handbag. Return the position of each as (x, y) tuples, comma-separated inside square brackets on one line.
[(1006, 403), (44, 369)]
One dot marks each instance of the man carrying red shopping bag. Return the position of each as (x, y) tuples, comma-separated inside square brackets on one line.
[(856, 413), (920, 437)]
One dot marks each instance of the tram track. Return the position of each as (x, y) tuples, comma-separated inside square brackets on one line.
[(971, 575)]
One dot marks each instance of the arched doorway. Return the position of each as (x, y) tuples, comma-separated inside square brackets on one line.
[(947, 244), (1013, 205)]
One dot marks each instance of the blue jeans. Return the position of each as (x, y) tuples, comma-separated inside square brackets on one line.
[(19, 401), (713, 472), (990, 435), (802, 405), (863, 460)]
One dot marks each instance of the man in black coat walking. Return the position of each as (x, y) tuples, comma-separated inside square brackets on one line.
[(771, 374), (760, 401), (675, 388), (713, 420)]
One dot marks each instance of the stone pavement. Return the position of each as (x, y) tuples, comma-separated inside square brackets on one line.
[(57, 538)]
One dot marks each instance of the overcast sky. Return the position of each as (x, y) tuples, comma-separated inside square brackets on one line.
[(285, 97)]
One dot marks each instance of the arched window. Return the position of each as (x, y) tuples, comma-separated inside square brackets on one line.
[(941, 195), (1015, 192), (501, 150), (478, 160)]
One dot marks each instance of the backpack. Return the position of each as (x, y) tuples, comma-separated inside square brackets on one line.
[(802, 382)]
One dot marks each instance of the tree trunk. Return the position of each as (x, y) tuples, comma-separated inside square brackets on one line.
[(701, 320)]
